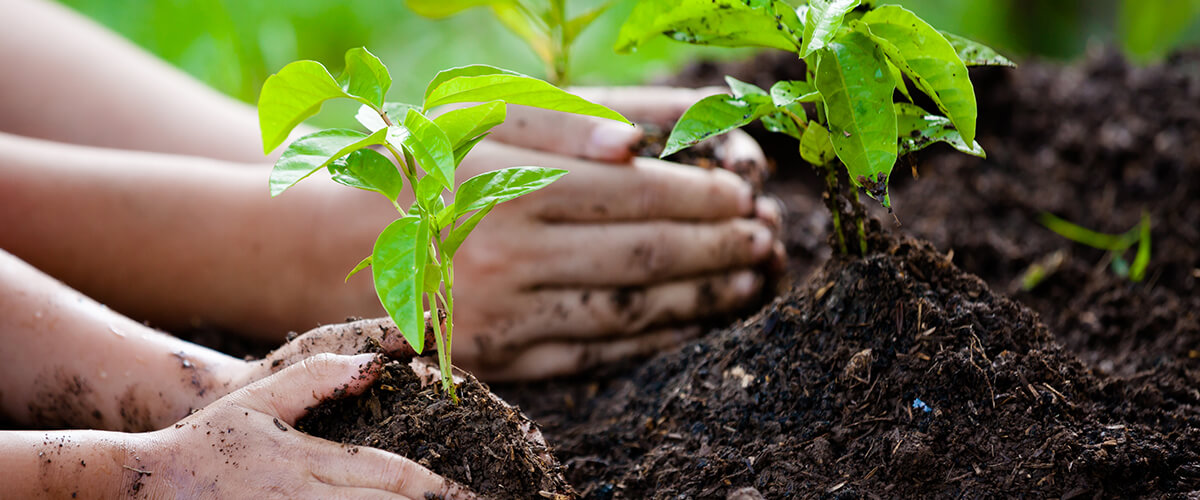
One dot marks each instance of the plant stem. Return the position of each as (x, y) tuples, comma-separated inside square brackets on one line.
[(859, 216), (558, 46), (830, 196), (443, 356)]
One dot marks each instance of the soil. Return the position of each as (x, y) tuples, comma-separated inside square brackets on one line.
[(904, 375), (479, 442)]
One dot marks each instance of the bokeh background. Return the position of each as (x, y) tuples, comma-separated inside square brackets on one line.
[(235, 44)]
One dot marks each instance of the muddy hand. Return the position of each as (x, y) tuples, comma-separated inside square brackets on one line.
[(606, 140), (244, 444)]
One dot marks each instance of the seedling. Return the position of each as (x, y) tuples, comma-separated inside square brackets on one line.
[(412, 262), (542, 24), (854, 107), (1117, 245)]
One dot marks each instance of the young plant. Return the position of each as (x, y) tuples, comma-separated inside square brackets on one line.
[(854, 106), (412, 262), (542, 24), (1116, 244)]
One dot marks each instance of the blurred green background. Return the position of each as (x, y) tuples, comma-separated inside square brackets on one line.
[(235, 44)]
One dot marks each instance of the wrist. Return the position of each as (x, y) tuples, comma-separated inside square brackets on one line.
[(69, 464)]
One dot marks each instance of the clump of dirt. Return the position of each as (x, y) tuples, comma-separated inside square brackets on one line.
[(895, 375), (480, 442)]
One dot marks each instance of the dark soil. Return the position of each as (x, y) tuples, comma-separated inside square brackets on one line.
[(480, 442), (900, 375)]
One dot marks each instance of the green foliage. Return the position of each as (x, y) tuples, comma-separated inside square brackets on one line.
[(1116, 244), (858, 56), (412, 260)]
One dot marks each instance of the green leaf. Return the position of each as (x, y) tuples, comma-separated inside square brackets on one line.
[(714, 115), (461, 151), (929, 60), (579, 23), (974, 53), (369, 118), (471, 70), (787, 92), (898, 76), (369, 170), (918, 129), (1080, 234), (427, 144), (291, 96), (784, 121), (362, 264), (433, 278), (514, 89), (822, 22), (857, 88), (365, 76), (526, 26), (429, 191), (437, 9), (460, 232), (398, 266), (726, 23), (316, 151), (464, 124), (1149, 29), (741, 89), (498, 186), (1142, 259), (815, 146)]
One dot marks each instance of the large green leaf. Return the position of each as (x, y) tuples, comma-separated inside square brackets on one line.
[(929, 60), (291, 96), (365, 76), (498, 186), (857, 89), (822, 21), (369, 170), (427, 144), (726, 23), (398, 266), (514, 89), (462, 125), (974, 53), (815, 146), (715, 115), (918, 129), (316, 151)]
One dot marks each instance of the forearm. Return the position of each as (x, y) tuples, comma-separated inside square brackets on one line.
[(69, 464), (69, 362)]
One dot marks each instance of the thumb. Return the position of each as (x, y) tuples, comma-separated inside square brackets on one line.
[(289, 393)]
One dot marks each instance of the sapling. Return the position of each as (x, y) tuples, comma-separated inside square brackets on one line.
[(543, 25), (1117, 245), (412, 262), (854, 106)]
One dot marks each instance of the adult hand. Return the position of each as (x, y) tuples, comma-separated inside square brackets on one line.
[(244, 445)]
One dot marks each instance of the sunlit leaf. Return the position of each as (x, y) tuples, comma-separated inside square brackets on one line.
[(362, 264), (784, 120), (398, 266), (316, 151), (429, 190), (513, 89), (460, 232), (815, 146), (464, 124), (437, 9), (534, 33), (428, 145), (918, 129), (498, 186), (857, 90), (579, 23), (740, 88), (714, 115), (727, 23), (291, 96), (823, 20), (787, 92), (974, 53), (365, 76), (369, 170)]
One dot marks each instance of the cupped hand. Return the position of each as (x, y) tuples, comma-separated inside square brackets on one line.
[(243, 445)]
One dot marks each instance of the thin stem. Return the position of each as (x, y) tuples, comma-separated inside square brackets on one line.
[(558, 14), (830, 197), (859, 216), (443, 356)]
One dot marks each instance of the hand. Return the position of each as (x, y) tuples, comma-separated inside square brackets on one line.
[(244, 445)]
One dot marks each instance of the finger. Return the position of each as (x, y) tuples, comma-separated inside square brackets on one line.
[(594, 313), (639, 253), (741, 154), (568, 134), (366, 467), (341, 338), (769, 211), (562, 358), (289, 393), (321, 490), (652, 189), (650, 104)]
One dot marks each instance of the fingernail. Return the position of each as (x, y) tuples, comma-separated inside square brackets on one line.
[(611, 141), (761, 243)]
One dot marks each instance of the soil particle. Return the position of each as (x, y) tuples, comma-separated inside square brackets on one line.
[(479, 442), (64, 401)]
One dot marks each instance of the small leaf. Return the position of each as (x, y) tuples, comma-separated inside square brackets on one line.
[(974, 53), (1080, 234), (714, 115), (815, 146), (422, 139), (898, 76), (740, 88), (398, 266), (460, 232), (429, 191), (369, 118), (514, 89), (579, 23), (926, 57), (291, 96), (498, 186), (725, 23), (1142, 259), (316, 151), (464, 124), (362, 264), (530, 29), (857, 88), (461, 151), (369, 170), (784, 121), (365, 76), (433, 278), (917, 130), (787, 92), (822, 23)]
